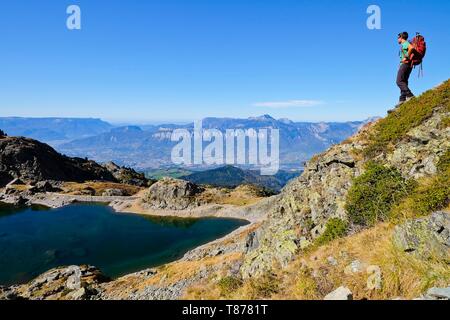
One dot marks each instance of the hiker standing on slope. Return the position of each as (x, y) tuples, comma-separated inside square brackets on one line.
[(406, 67)]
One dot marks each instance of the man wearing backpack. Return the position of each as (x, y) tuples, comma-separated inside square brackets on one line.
[(411, 55), (406, 67)]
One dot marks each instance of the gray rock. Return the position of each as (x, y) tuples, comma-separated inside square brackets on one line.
[(355, 267), (127, 175), (426, 237), (79, 294), (114, 193), (341, 293), (44, 186), (251, 242), (374, 281), (172, 194), (438, 293), (332, 261), (74, 281)]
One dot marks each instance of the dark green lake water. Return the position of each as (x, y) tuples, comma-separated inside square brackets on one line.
[(34, 240)]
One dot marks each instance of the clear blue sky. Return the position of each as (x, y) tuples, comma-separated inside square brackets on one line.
[(159, 60)]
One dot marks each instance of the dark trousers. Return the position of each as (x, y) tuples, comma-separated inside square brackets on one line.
[(402, 81)]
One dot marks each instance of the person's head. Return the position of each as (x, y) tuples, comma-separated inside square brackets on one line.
[(402, 37)]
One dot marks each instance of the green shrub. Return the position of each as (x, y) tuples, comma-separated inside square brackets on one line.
[(430, 199), (229, 284), (335, 228), (394, 127), (373, 194)]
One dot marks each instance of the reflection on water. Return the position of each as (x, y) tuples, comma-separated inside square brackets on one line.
[(8, 209), (172, 221), (34, 240)]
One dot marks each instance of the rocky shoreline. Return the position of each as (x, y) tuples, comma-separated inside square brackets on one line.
[(92, 284)]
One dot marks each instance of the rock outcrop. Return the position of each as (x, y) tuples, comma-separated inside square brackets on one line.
[(127, 175), (173, 194), (303, 208), (307, 203), (67, 283), (33, 161)]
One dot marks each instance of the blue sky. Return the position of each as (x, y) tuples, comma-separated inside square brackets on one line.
[(180, 60)]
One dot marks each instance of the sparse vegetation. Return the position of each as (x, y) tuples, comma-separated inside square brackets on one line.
[(373, 194), (263, 287), (388, 131), (240, 196), (445, 123), (305, 287), (443, 165), (429, 195), (335, 228), (311, 276), (228, 285)]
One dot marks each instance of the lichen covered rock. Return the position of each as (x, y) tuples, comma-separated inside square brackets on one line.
[(426, 237)]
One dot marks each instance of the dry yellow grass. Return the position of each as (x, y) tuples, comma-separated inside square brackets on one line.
[(19, 187), (403, 275), (240, 196), (167, 274), (74, 188), (311, 276)]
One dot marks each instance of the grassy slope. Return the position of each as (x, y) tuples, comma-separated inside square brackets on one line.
[(311, 276)]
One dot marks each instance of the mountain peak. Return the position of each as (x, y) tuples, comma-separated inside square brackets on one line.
[(127, 129), (264, 117)]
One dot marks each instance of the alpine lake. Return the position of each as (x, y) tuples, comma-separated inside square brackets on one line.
[(35, 239)]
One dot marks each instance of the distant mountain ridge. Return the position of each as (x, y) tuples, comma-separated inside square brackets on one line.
[(151, 148), (53, 129)]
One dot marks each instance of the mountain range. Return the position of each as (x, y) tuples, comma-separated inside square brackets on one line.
[(150, 146), (53, 130)]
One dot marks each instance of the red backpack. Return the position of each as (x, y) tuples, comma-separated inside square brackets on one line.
[(420, 49)]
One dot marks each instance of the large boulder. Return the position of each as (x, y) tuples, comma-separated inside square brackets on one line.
[(341, 293), (173, 194), (438, 293), (425, 237)]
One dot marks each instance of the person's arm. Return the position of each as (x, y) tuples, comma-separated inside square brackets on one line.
[(410, 51), (410, 54)]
